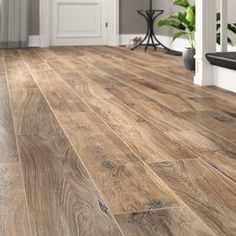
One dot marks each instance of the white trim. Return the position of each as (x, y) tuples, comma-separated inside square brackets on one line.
[(113, 22), (34, 41), (205, 40), (225, 78), (178, 45), (44, 16)]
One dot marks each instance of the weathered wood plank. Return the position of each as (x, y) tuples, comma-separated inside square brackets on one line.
[(60, 193), (124, 180), (14, 218), (176, 222), (208, 193)]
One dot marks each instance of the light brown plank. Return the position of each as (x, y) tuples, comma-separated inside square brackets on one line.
[(190, 135), (7, 133), (125, 182), (14, 218), (218, 122), (176, 222), (62, 198), (149, 142), (225, 162), (208, 193)]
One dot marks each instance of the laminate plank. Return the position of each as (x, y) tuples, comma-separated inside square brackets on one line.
[(175, 78), (218, 122), (208, 193), (123, 179), (7, 133), (186, 133), (225, 162), (14, 218), (150, 109), (176, 222), (218, 104), (61, 196), (149, 143)]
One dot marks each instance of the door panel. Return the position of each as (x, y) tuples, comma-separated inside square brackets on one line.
[(79, 22)]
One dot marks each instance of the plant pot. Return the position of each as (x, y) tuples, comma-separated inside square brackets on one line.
[(188, 58)]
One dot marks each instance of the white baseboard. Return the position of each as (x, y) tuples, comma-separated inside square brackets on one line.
[(34, 41), (225, 78), (178, 44)]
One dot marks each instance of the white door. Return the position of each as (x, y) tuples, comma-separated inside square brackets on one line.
[(78, 22)]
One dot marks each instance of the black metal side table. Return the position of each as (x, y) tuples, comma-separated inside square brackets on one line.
[(151, 16)]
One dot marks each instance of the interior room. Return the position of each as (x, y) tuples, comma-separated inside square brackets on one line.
[(117, 117)]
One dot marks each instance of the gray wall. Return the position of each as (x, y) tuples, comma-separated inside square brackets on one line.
[(34, 17), (130, 21)]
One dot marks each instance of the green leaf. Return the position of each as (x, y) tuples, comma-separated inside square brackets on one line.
[(182, 3), (218, 38), (191, 17), (171, 21), (232, 28), (230, 41), (178, 35), (218, 16)]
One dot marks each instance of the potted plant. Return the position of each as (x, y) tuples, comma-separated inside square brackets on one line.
[(184, 22)]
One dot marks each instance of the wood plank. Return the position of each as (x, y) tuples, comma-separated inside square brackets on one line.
[(225, 162), (176, 97), (124, 180), (176, 222), (60, 193), (14, 218), (149, 110), (218, 122), (7, 133), (208, 193), (149, 142)]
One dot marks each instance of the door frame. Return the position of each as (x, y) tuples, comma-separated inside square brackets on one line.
[(113, 23)]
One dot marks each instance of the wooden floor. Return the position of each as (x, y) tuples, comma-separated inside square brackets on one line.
[(104, 141)]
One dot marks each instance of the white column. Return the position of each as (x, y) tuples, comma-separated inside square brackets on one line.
[(223, 23), (205, 40)]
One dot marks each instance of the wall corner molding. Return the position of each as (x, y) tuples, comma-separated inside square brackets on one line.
[(44, 21)]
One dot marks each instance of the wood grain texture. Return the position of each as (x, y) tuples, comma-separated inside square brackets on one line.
[(115, 169), (208, 193), (151, 112), (150, 143), (121, 110), (7, 133), (176, 222), (62, 198), (219, 122), (225, 162), (14, 218)]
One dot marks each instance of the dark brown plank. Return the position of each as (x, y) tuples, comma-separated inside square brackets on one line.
[(60, 193), (208, 193), (176, 222)]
